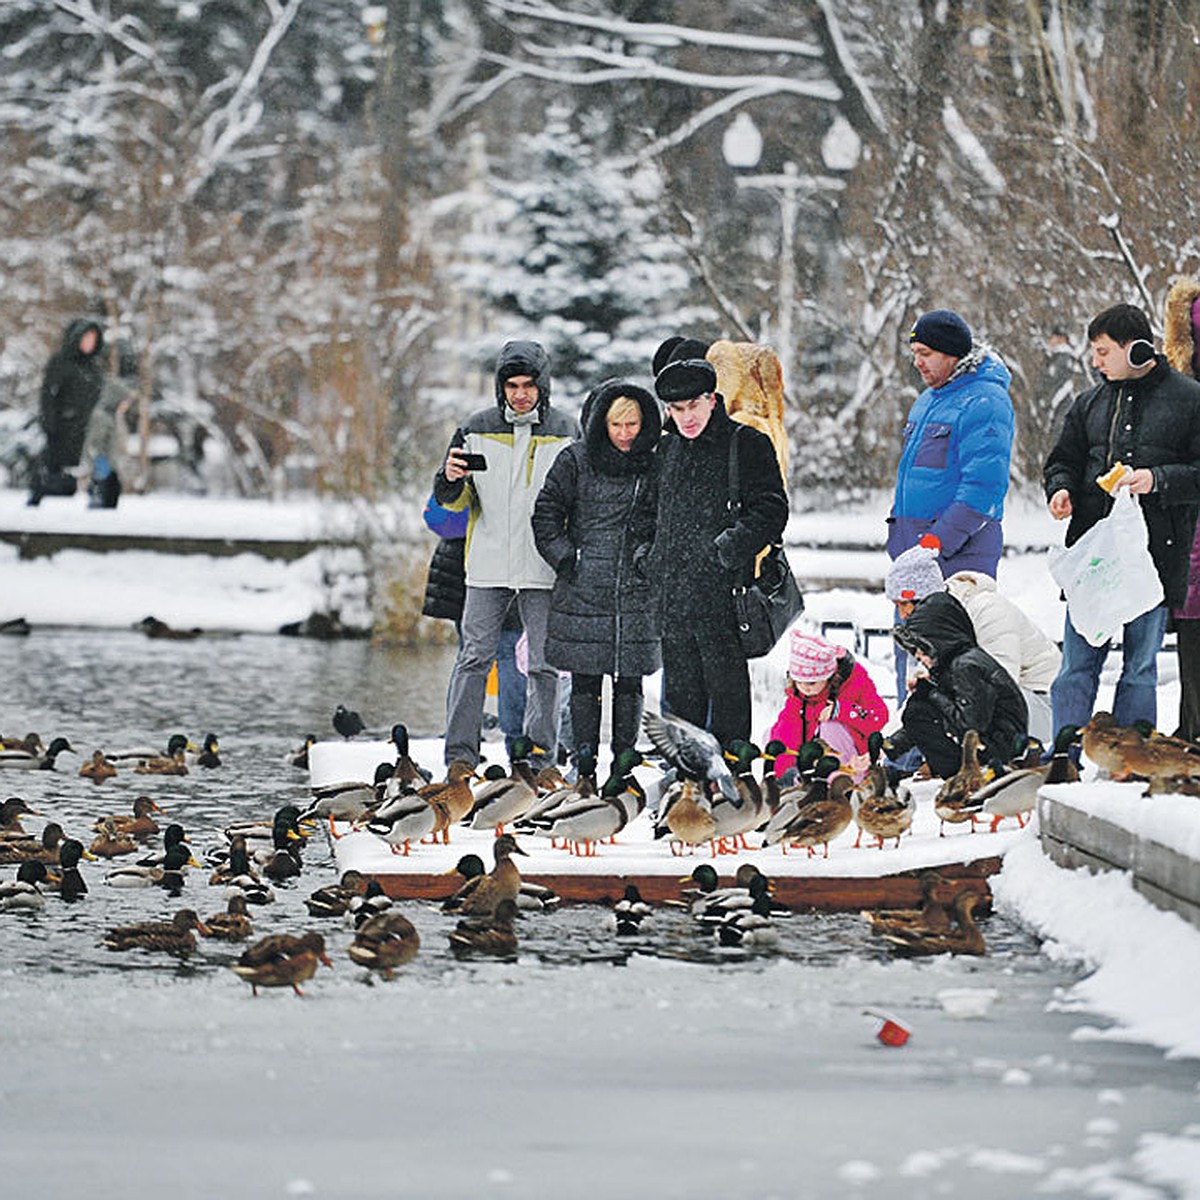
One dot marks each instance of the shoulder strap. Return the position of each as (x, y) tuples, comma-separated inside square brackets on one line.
[(734, 503)]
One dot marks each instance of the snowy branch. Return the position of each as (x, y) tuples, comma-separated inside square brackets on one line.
[(845, 70), (85, 12)]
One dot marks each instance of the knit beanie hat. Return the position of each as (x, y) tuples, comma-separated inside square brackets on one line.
[(944, 331), (811, 658), (915, 574)]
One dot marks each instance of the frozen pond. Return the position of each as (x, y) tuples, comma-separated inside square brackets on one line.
[(661, 1067)]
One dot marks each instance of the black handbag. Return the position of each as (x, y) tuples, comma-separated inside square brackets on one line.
[(766, 607)]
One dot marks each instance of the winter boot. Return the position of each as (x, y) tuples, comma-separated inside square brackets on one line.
[(626, 718), (585, 718)]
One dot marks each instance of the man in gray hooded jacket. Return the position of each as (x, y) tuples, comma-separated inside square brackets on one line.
[(519, 437)]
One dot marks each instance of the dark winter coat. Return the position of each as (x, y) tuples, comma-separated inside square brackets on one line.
[(703, 550), (446, 584), (71, 386), (967, 686), (593, 522), (1150, 422)]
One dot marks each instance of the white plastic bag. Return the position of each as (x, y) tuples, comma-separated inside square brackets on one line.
[(1108, 576)]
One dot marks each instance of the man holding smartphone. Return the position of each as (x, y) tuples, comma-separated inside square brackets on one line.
[(518, 438)]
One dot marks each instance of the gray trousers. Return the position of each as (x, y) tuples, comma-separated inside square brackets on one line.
[(482, 620)]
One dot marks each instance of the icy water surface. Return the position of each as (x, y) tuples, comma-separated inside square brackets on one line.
[(661, 1066)]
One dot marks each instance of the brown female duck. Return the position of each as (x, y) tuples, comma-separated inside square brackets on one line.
[(281, 960), (175, 937)]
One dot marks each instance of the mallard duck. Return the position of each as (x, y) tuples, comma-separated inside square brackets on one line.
[(110, 842), (533, 897), (685, 812), (583, 821), (500, 802), (821, 820), (175, 765), (384, 942), (238, 875), (152, 627), (630, 913), (965, 938), (140, 825), (11, 812), (259, 835), (98, 768), (1160, 759), (173, 835), (299, 756), (281, 960), (954, 802), (406, 770), (751, 926), (67, 880), (1014, 793), (793, 816), (879, 813), (932, 915), (282, 859), (551, 799), (136, 755), (481, 895), (232, 925), (704, 897), (170, 875), (492, 934), (175, 937), (693, 752), (1106, 744), (373, 901), (31, 743), (43, 849), (349, 800), (333, 899), (410, 815), (23, 891), (787, 801), (347, 722), (209, 753), (26, 761)]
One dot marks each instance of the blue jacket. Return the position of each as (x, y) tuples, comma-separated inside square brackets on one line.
[(953, 472)]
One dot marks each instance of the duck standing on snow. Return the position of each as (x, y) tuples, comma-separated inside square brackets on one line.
[(281, 960), (955, 801), (348, 800), (880, 813), (1014, 794), (406, 770), (384, 942), (500, 802)]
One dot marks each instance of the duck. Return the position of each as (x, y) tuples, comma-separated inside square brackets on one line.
[(208, 755), (67, 880), (964, 938), (136, 755), (238, 873), (174, 764), (481, 895), (533, 897), (583, 821), (232, 925), (333, 899), (152, 627), (111, 842), (348, 801), (751, 926), (1106, 743), (282, 860), (491, 934), (705, 898), (98, 768), (346, 722), (693, 752), (384, 942), (31, 743), (24, 891), (373, 901), (299, 756), (685, 812), (406, 770), (281, 960), (11, 812), (880, 813), (410, 814), (553, 798), (259, 834), (173, 835), (170, 874), (1014, 793), (26, 761), (43, 849), (787, 801), (500, 802), (140, 825), (1162, 760), (630, 913), (955, 802), (821, 820), (932, 915), (173, 937)]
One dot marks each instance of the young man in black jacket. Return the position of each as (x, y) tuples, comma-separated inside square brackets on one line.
[(1146, 415), (704, 550)]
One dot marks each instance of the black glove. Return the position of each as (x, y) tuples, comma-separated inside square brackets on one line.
[(922, 688), (726, 546)]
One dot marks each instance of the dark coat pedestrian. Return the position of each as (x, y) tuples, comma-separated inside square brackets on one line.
[(71, 386), (966, 688), (594, 522)]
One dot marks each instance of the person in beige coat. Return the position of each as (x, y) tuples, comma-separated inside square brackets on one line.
[(1001, 627)]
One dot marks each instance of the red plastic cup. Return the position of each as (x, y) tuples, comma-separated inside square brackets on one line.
[(892, 1033)]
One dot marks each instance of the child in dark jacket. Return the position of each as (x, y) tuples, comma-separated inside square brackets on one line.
[(829, 696), (964, 688)]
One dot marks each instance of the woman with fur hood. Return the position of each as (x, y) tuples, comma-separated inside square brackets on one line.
[(1181, 345), (593, 522)]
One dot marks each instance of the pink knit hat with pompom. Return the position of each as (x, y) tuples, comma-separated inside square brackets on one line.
[(811, 658)]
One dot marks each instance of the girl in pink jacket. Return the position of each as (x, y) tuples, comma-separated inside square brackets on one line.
[(831, 697)]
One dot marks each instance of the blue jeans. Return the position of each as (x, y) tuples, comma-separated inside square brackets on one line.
[(1073, 692), (510, 698)]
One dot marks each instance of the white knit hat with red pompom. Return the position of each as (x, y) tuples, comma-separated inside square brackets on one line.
[(915, 574)]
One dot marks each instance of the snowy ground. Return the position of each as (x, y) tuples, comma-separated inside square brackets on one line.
[(673, 1079)]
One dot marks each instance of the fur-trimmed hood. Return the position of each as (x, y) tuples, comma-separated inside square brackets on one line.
[(1181, 321)]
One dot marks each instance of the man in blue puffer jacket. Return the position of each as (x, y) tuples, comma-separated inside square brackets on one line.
[(953, 472)]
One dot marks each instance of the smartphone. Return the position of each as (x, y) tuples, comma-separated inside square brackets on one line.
[(472, 462)]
